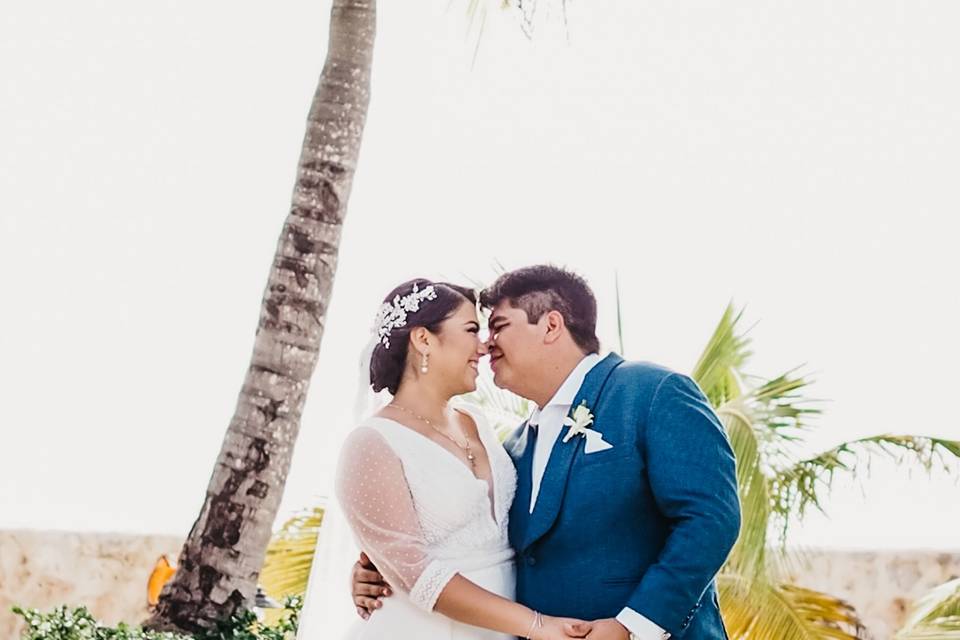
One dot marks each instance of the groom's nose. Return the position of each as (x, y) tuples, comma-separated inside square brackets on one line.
[(486, 337)]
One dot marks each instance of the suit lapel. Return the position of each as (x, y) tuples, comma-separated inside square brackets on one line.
[(520, 509), (554, 482), (516, 443)]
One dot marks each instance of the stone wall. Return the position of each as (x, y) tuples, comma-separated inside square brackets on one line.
[(881, 585), (108, 574)]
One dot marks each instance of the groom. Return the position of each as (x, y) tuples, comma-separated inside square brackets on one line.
[(626, 503)]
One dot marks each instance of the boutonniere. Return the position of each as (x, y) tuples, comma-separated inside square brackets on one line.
[(579, 424)]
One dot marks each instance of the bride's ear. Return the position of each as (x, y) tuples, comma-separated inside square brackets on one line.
[(420, 339)]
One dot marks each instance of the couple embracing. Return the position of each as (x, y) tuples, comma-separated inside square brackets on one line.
[(606, 515)]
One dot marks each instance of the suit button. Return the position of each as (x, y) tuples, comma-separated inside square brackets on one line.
[(531, 560)]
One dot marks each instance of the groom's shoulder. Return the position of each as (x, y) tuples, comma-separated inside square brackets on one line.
[(641, 372), (634, 384)]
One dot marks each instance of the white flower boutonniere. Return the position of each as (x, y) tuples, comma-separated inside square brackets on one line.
[(579, 424)]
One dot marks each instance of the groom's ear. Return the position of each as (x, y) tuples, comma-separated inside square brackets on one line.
[(555, 326)]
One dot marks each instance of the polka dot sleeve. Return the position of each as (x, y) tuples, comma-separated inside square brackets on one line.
[(373, 492)]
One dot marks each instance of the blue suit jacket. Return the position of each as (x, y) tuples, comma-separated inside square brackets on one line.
[(646, 524)]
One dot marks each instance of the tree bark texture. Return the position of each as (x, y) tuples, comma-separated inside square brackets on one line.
[(224, 551)]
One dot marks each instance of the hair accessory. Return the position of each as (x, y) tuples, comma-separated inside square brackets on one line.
[(393, 315)]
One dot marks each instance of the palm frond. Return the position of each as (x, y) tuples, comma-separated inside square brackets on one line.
[(778, 404), (748, 557), (798, 487), (718, 369), (758, 609), (830, 616), (936, 616), (476, 13), (476, 285), (504, 410), (286, 568), (941, 629), (942, 602), (781, 412)]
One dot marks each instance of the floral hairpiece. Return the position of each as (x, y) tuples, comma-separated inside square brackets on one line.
[(393, 315)]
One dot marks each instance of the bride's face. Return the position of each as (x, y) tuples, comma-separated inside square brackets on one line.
[(457, 359)]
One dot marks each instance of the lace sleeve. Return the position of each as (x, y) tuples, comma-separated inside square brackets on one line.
[(375, 497)]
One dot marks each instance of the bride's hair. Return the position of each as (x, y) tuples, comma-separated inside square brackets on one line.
[(387, 365)]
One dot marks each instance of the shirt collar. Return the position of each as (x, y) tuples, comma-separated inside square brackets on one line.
[(567, 392)]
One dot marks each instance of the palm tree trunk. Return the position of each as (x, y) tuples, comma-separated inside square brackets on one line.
[(223, 554)]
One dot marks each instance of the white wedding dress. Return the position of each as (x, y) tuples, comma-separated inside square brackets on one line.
[(422, 517)]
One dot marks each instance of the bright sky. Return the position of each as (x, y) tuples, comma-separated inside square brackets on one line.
[(798, 157)]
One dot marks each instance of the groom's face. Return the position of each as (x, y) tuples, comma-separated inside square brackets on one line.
[(515, 348)]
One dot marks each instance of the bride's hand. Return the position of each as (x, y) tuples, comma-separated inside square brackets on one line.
[(561, 629)]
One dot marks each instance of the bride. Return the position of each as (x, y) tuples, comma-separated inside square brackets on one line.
[(425, 485)]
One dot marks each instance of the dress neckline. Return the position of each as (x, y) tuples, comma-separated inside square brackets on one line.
[(492, 485)]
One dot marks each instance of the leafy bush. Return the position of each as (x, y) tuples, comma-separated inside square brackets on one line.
[(77, 624), (64, 623)]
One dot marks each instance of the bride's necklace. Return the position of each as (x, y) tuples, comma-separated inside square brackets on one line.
[(466, 447)]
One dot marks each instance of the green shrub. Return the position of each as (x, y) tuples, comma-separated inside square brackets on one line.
[(77, 624), (64, 623)]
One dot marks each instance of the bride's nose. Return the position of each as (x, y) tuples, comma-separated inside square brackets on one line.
[(482, 348)]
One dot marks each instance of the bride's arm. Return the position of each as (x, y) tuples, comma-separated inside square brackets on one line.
[(466, 602), (372, 489)]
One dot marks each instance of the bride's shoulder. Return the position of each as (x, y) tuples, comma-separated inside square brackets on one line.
[(476, 412), (378, 433), (369, 433), (369, 443)]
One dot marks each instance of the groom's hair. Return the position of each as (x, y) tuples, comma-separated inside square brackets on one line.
[(543, 288)]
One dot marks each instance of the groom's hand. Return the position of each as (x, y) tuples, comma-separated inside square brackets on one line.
[(606, 629), (577, 629), (368, 586)]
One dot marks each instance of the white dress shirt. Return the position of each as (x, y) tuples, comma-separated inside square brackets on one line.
[(549, 423)]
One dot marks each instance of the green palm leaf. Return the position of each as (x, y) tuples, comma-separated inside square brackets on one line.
[(942, 629), (748, 557), (718, 369), (936, 616), (505, 410), (286, 568), (759, 610), (801, 485), (779, 407)]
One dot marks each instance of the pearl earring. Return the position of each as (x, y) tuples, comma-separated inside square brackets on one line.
[(423, 364)]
